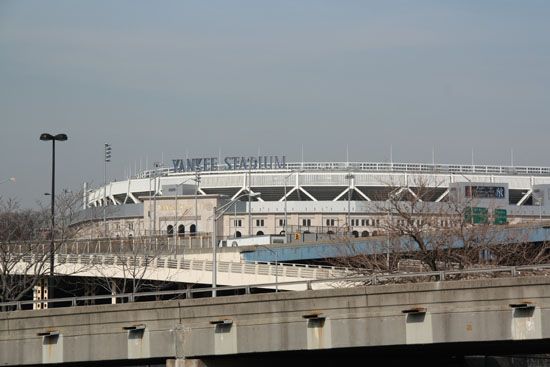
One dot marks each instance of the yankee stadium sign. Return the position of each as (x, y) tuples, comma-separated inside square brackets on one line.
[(229, 163)]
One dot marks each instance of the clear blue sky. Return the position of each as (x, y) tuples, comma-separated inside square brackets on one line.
[(162, 78)]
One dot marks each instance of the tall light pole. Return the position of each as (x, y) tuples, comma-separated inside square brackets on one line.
[(53, 139), (256, 248), (249, 199), (107, 159), (156, 165), (391, 196), (285, 200), (216, 214), (539, 201), (349, 177), (276, 266), (286, 217), (197, 183), (176, 199)]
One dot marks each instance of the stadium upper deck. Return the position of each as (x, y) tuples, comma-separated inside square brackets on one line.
[(314, 181)]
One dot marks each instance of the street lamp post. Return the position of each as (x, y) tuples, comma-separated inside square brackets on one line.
[(286, 217), (176, 199), (53, 139), (249, 201), (349, 177), (256, 248), (216, 214), (389, 219), (285, 184), (197, 181), (539, 201), (276, 267)]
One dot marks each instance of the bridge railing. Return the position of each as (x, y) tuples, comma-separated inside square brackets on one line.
[(335, 282), (288, 270)]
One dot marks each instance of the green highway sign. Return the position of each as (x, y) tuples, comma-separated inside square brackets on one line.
[(500, 216), (476, 215)]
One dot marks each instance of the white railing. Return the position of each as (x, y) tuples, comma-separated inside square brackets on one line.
[(288, 270), (377, 167)]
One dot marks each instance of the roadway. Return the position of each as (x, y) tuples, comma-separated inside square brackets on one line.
[(433, 323)]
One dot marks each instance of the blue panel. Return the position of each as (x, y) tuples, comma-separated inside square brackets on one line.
[(319, 251)]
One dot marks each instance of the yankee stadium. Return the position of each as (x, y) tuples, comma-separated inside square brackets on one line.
[(273, 196)]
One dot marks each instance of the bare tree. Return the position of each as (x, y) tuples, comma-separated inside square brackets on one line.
[(24, 244), (130, 267), (429, 235), (23, 261)]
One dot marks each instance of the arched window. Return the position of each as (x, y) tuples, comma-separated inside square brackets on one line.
[(365, 234), (330, 232), (355, 234), (181, 230), (193, 229), (170, 230), (259, 233), (238, 234)]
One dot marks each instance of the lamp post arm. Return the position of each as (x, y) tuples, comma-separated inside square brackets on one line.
[(222, 209)]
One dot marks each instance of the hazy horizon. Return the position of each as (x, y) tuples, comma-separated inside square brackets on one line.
[(176, 79)]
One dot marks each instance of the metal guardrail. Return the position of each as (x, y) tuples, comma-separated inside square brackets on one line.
[(378, 167), (337, 282)]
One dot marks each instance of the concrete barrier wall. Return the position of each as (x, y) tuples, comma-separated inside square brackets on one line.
[(376, 316)]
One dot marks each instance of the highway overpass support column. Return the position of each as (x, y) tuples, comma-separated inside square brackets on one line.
[(181, 362)]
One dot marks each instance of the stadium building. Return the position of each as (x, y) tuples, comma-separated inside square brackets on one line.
[(267, 195)]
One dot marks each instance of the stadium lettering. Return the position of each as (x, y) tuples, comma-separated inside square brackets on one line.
[(231, 163)]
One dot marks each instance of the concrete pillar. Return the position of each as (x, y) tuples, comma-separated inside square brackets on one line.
[(139, 346), (181, 362), (40, 292), (418, 328), (225, 338), (52, 347), (113, 292), (526, 323), (319, 333)]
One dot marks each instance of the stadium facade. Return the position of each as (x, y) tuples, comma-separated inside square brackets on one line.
[(275, 195)]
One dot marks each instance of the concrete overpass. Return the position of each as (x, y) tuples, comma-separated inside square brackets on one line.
[(426, 321), (183, 269)]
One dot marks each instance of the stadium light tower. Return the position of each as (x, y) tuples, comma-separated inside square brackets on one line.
[(53, 139), (106, 160)]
